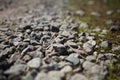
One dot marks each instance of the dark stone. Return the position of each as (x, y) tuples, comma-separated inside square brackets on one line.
[(55, 29), (115, 28)]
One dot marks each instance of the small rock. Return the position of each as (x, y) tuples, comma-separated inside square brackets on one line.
[(78, 77), (60, 48), (87, 65), (80, 12), (16, 69), (109, 12), (115, 28), (116, 48), (106, 44), (66, 69), (95, 14), (66, 33), (88, 46), (90, 58), (99, 70), (83, 25), (44, 76), (34, 63), (73, 60), (71, 44), (56, 74)]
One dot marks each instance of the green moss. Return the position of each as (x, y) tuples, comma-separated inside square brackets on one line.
[(114, 37)]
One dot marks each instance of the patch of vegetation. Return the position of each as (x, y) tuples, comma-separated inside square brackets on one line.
[(114, 37)]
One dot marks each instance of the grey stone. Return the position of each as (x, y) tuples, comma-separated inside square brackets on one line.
[(34, 63), (66, 69), (87, 65), (73, 60), (95, 14), (83, 25), (80, 12), (71, 44), (78, 77), (66, 33), (30, 75), (109, 12), (16, 69), (116, 48), (89, 45), (63, 63), (115, 28), (106, 44), (60, 48), (91, 58), (100, 70), (44, 76), (3, 29), (56, 74)]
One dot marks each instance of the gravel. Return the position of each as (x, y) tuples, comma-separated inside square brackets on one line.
[(46, 46)]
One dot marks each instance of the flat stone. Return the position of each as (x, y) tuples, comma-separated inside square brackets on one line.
[(78, 77), (91, 58), (115, 28), (66, 33), (56, 74), (106, 44), (88, 46), (71, 44), (80, 12), (73, 60), (34, 63), (100, 70), (16, 69), (87, 65), (60, 48), (66, 69), (44, 76)]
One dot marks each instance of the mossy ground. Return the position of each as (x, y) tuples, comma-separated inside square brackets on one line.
[(114, 37)]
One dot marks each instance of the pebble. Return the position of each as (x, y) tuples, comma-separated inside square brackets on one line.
[(60, 48), (56, 74), (115, 28), (95, 14), (66, 69), (106, 44), (16, 69), (44, 76), (80, 12), (73, 60), (78, 77), (87, 65), (34, 63), (89, 45)]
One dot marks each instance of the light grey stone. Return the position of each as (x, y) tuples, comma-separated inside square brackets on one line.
[(78, 77), (73, 60), (87, 65), (80, 12), (66, 69), (34, 63), (89, 45), (16, 69), (44, 76), (106, 44)]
